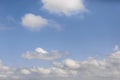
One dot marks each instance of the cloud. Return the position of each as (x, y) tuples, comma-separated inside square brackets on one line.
[(116, 47), (25, 71), (69, 69), (33, 22), (5, 71), (42, 54), (66, 7), (71, 64)]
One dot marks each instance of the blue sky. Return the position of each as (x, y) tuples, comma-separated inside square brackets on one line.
[(86, 34), (88, 31)]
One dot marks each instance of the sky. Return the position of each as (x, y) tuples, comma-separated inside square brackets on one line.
[(54, 39)]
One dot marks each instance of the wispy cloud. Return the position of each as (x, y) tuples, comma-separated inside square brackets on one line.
[(116, 48), (42, 54)]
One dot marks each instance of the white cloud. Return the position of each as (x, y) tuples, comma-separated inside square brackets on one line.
[(71, 64), (25, 71), (34, 22), (66, 7), (5, 71), (90, 69), (42, 54), (41, 70), (40, 50)]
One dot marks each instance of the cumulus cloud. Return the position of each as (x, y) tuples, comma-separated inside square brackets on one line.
[(42, 54), (71, 64), (69, 69), (34, 22), (66, 7)]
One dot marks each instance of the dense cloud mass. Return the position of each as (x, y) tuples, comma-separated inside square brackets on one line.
[(66, 7), (69, 69)]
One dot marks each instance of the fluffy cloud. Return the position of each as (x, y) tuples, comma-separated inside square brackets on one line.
[(5, 71), (25, 71), (66, 7), (90, 69), (33, 22), (71, 64), (42, 54)]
